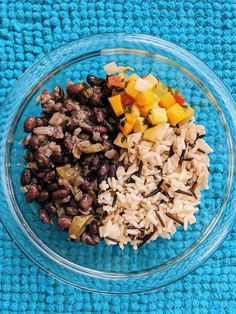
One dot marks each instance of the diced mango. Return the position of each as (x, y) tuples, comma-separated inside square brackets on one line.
[(189, 113), (167, 100), (121, 140), (130, 90), (176, 114), (145, 98), (140, 125), (157, 115), (116, 104), (135, 110), (127, 123), (145, 109), (151, 134), (132, 77), (152, 81)]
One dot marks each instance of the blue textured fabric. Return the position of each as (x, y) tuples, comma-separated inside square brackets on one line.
[(28, 29)]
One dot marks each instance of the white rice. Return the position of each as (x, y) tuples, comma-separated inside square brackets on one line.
[(137, 219)]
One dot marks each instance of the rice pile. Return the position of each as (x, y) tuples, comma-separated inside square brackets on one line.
[(157, 187)]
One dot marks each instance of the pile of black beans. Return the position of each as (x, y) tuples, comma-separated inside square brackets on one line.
[(89, 117)]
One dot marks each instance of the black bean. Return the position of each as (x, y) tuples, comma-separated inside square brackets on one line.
[(85, 185), (53, 187), (112, 170), (103, 171), (65, 160), (86, 202), (26, 177), (56, 157), (51, 208), (88, 238), (34, 142), (41, 121), (46, 176), (99, 114), (110, 128), (67, 107), (75, 89), (32, 193), (86, 160), (64, 222), (93, 185), (42, 160), (68, 144), (94, 81), (93, 228), (43, 216), (60, 194), (30, 124), (100, 129), (112, 120), (100, 211), (106, 91), (95, 100), (29, 156), (72, 211), (71, 125), (48, 107), (34, 181), (107, 145), (83, 100), (43, 196)]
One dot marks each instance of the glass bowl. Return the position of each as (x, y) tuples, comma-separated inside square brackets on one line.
[(108, 268)]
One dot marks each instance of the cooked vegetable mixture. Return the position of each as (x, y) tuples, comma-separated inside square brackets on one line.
[(78, 142)]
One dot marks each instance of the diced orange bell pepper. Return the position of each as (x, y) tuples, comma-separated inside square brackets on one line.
[(116, 104), (189, 113), (131, 91), (167, 100), (179, 99), (176, 114), (145, 98)]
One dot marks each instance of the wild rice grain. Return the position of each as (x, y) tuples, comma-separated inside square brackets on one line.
[(175, 218)]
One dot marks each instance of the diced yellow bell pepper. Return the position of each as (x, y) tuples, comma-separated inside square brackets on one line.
[(176, 114), (131, 91), (189, 112), (167, 100), (145, 98), (152, 81), (135, 110), (151, 134), (121, 140), (116, 104), (140, 125), (157, 115), (127, 123)]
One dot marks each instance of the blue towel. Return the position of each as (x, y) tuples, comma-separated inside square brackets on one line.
[(29, 29)]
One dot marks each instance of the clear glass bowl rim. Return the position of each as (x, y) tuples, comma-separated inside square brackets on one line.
[(214, 84)]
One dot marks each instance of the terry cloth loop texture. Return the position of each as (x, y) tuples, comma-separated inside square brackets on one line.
[(29, 29)]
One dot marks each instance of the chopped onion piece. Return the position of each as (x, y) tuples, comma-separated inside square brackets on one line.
[(111, 68), (125, 69), (151, 80), (141, 85)]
